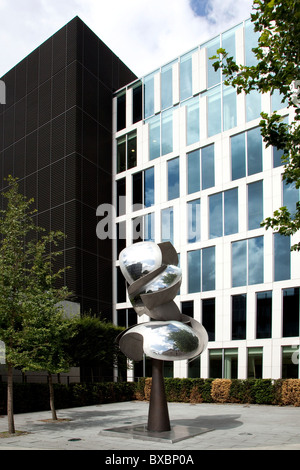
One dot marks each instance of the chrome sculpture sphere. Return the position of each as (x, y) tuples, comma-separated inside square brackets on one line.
[(154, 280)]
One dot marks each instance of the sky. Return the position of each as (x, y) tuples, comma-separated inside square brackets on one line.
[(144, 34)]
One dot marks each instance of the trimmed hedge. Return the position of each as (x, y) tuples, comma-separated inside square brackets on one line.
[(30, 397)]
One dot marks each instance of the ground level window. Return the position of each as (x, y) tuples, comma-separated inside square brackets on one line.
[(290, 359), (255, 363)]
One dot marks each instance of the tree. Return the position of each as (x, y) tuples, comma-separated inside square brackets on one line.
[(277, 68), (26, 281)]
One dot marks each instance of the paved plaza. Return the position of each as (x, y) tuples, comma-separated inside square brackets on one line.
[(229, 427)]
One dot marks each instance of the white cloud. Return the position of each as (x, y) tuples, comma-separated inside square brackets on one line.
[(143, 34)]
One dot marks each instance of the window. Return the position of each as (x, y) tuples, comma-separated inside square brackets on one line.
[(213, 78), (161, 134), (239, 315), (255, 204), (276, 101), (229, 108), (201, 270), (278, 153), (223, 363), (137, 103), (215, 363), (255, 363), (223, 213), (290, 312), (193, 221), (248, 262), (126, 152), (121, 197), (143, 189), (121, 111), (290, 197), (282, 258), (121, 286), (167, 86), (167, 228), (194, 368), (246, 154), (187, 308), (121, 236), (201, 169), (192, 121), (253, 105), (290, 366), (143, 228), (214, 114), (209, 317), (251, 38), (186, 84), (149, 234), (126, 317), (173, 178), (149, 95), (264, 314)]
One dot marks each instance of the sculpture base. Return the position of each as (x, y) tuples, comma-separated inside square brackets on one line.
[(139, 431)]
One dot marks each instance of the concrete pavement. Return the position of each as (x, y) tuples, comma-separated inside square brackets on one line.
[(232, 427)]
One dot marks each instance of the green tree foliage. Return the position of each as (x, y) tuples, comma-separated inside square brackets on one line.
[(277, 68)]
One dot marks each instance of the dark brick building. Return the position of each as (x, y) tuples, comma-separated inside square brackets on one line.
[(56, 137)]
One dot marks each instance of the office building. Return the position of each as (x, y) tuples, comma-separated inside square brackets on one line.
[(190, 166)]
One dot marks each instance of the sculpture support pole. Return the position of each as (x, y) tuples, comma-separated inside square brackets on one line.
[(158, 416)]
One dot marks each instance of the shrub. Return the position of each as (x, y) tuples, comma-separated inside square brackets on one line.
[(220, 390), (290, 392)]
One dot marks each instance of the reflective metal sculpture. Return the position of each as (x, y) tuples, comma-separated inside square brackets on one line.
[(153, 280)]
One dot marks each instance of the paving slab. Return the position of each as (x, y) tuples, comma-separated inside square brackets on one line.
[(231, 427)]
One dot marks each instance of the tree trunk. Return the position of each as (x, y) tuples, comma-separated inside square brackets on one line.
[(10, 406), (51, 390)]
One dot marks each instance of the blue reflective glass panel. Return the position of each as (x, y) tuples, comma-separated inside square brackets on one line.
[(254, 151), (255, 205), (167, 132), (213, 78), (215, 215), (154, 138), (166, 86), (253, 105), (251, 39), (255, 260), (192, 122), (229, 107), (149, 96), (186, 84), (277, 157), (149, 235), (238, 156), (167, 225), (282, 257), (290, 197), (214, 111), (193, 220), (276, 101), (173, 178), (208, 268), (239, 263), (193, 168), (208, 166), (194, 271), (149, 187), (231, 217)]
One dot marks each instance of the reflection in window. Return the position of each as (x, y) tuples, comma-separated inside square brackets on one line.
[(186, 84), (229, 107), (193, 221), (149, 234), (282, 257), (173, 178), (251, 39), (167, 225), (223, 203), (238, 317), (231, 363), (255, 204), (167, 132), (201, 270), (201, 169), (276, 101), (213, 78), (290, 313), (154, 137), (223, 363), (149, 96), (143, 189), (264, 314), (253, 105), (290, 197), (228, 42), (149, 187), (255, 363), (192, 121), (214, 114), (215, 363), (290, 367), (248, 262), (246, 153), (167, 86), (126, 152)]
